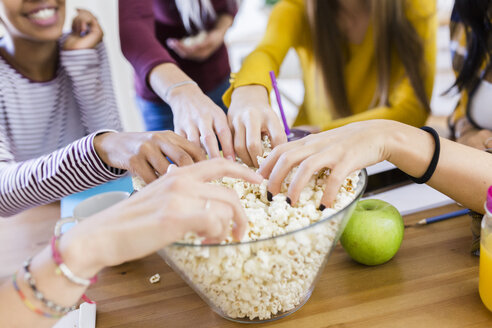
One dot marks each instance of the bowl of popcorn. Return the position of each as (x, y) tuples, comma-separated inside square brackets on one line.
[(273, 270)]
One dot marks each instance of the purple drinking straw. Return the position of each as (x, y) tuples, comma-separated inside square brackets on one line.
[(279, 101)]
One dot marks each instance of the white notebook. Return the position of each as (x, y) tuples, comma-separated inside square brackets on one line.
[(410, 198)]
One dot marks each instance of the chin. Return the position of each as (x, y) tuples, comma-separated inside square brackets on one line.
[(45, 36)]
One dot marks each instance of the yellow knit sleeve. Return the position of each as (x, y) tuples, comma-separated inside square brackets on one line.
[(405, 106), (285, 25)]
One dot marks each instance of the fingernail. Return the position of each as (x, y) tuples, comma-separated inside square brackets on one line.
[(230, 158), (269, 196), (322, 207), (289, 201)]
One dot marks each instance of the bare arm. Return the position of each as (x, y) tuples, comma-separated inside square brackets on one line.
[(463, 173), (165, 210)]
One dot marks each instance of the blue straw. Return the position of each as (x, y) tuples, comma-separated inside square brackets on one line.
[(444, 216)]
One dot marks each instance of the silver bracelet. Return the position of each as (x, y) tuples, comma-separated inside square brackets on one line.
[(177, 85), (32, 284)]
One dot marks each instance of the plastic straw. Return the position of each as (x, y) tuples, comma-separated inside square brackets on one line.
[(279, 101)]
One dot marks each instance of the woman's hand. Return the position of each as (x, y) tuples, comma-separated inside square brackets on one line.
[(200, 51), (480, 139), (343, 150), (86, 32), (161, 213), (250, 116), (200, 120), (204, 46), (144, 153)]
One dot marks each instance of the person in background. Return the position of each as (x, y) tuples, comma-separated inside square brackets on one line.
[(471, 122), (181, 66), (361, 59), (179, 202), (58, 114), (471, 48)]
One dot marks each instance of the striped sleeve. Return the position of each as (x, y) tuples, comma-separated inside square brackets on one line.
[(92, 84), (45, 179)]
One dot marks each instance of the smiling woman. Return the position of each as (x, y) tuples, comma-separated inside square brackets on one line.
[(58, 115)]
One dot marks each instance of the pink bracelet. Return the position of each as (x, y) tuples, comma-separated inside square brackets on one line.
[(63, 268)]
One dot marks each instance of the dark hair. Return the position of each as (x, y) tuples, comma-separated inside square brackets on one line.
[(475, 16)]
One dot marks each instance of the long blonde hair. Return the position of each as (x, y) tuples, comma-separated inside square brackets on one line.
[(392, 30)]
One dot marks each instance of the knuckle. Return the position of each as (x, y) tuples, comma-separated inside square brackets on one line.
[(144, 148), (134, 160), (307, 165), (254, 146), (284, 160), (182, 158), (175, 183), (207, 136)]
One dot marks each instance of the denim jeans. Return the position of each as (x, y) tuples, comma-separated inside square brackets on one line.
[(159, 116)]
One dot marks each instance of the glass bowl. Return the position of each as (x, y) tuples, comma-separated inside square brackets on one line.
[(265, 279)]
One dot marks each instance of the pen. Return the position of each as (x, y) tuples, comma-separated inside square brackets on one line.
[(443, 217)]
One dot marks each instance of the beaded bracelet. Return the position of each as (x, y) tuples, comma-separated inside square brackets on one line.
[(63, 268), (37, 293), (435, 157), (28, 303)]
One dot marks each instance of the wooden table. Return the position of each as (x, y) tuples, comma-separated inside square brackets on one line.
[(432, 282)]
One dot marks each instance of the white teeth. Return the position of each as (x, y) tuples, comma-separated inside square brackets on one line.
[(43, 14)]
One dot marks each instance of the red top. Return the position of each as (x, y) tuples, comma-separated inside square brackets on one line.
[(145, 25)]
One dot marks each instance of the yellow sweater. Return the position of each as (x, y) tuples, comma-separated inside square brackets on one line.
[(288, 27)]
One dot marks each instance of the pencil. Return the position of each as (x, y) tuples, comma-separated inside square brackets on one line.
[(443, 217)]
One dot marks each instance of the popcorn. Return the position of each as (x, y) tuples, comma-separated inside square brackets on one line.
[(263, 277), (155, 278)]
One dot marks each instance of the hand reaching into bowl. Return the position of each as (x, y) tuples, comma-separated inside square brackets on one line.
[(144, 153), (358, 145), (163, 212)]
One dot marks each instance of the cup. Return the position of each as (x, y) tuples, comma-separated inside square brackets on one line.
[(296, 134), (89, 207)]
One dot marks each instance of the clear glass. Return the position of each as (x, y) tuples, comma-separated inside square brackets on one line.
[(485, 271), (262, 280)]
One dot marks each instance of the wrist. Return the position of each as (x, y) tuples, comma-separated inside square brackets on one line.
[(181, 91), (99, 142), (249, 94), (392, 140), (80, 253)]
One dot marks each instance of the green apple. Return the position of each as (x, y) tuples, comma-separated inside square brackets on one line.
[(374, 233)]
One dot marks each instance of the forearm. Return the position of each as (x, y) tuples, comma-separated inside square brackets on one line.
[(411, 112), (43, 180), (55, 288), (463, 173)]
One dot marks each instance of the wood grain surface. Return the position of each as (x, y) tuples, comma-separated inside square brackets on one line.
[(431, 282)]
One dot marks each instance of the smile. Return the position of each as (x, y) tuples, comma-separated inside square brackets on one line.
[(43, 16)]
